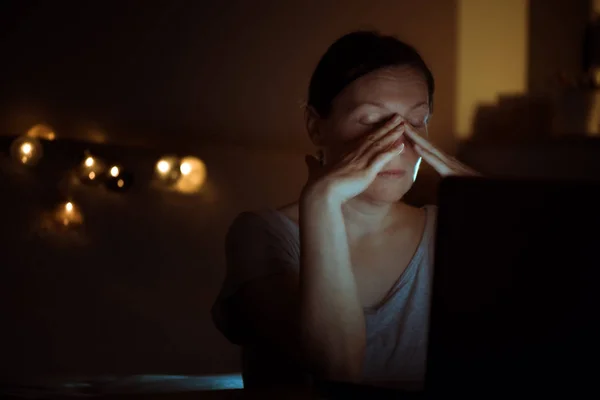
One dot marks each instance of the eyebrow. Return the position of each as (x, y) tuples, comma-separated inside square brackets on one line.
[(380, 105)]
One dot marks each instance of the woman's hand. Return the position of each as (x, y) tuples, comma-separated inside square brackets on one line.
[(352, 175), (442, 163)]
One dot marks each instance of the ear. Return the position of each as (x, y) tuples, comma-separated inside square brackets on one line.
[(312, 126)]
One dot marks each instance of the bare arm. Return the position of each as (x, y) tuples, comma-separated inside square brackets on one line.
[(331, 316), (319, 322)]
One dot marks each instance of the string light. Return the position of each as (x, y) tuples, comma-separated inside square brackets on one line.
[(91, 169), (193, 175), (26, 150), (114, 171), (167, 170), (163, 167), (68, 214), (185, 168), (118, 179)]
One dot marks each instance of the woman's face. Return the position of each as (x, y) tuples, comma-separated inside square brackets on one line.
[(366, 104)]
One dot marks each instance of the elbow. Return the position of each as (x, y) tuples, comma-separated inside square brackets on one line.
[(342, 366), (348, 371)]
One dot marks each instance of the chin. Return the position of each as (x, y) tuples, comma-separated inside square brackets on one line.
[(388, 192)]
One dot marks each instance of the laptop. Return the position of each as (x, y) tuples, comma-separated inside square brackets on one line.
[(516, 289)]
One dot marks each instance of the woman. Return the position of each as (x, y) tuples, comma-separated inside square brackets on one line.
[(336, 285)]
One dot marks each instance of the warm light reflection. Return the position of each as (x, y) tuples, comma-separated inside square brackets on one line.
[(193, 175), (89, 162), (120, 183), (92, 175), (114, 171), (41, 131)]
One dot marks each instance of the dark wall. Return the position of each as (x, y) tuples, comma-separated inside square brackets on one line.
[(556, 40), (131, 292), (193, 71)]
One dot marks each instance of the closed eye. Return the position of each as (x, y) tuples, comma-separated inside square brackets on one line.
[(373, 122)]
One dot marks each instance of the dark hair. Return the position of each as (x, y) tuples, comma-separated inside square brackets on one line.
[(354, 55)]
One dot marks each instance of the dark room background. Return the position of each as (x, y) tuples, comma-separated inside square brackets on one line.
[(224, 81)]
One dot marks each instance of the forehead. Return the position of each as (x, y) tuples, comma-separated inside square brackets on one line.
[(393, 87)]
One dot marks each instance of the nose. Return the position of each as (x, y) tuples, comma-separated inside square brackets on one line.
[(402, 139)]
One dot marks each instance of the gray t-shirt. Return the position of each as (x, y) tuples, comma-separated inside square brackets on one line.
[(267, 242)]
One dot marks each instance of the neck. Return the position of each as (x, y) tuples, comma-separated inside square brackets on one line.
[(365, 217)]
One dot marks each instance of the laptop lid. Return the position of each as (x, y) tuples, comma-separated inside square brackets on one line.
[(516, 297)]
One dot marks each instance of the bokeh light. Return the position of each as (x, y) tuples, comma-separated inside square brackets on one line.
[(26, 150), (185, 168), (163, 167), (91, 169), (68, 214), (167, 170), (41, 131), (193, 175)]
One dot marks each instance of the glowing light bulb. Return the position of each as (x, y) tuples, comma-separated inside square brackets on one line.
[(185, 168), (67, 214), (26, 149), (89, 162), (163, 166), (114, 171), (193, 175)]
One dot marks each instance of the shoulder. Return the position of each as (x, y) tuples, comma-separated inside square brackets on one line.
[(431, 213), (257, 231), (260, 221), (429, 234), (431, 209)]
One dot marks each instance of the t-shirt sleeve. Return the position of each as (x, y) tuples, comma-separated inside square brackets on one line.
[(256, 246)]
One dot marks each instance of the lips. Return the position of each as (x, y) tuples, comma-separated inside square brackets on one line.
[(392, 173)]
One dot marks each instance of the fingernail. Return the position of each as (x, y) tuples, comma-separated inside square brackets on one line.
[(401, 148), (397, 119)]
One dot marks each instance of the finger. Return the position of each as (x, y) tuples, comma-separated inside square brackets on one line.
[(384, 143), (380, 160), (439, 165), (444, 168), (379, 133), (418, 139)]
